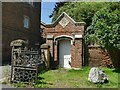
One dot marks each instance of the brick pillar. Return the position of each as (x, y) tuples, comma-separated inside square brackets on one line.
[(46, 55), (72, 55), (76, 51), (79, 52), (55, 53)]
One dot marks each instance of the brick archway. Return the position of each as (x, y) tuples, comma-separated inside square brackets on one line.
[(63, 47), (63, 37), (70, 33)]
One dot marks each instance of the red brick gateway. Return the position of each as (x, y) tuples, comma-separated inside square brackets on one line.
[(65, 38)]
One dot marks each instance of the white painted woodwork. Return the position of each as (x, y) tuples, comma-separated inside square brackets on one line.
[(65, 53), (78, 36)]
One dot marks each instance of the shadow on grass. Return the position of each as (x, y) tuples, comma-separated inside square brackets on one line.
[(41, 83), (116, 70), (40, 78)]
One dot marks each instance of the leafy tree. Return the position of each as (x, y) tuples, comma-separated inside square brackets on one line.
[(106, 26), (56, 8), (105, 30), (79, 11)]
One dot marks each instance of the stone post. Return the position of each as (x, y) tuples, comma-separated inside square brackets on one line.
[(45, 53)]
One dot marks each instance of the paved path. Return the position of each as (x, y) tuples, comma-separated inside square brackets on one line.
[(6, 86), (4, 72)]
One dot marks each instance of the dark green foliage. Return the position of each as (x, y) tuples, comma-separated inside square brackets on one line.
[(56, 8), (79, 11), (106, 26), (105, 31)]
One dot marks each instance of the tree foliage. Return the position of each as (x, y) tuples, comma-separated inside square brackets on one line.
[(106, 27), (79, 11)]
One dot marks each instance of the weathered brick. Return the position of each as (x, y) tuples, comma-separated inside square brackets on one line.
[(76, 48), (12, 25)]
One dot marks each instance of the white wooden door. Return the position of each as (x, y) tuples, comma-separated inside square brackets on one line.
[(65, 53)]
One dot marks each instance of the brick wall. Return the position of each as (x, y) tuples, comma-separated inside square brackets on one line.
[(98, 57), (12, 25), (77, 54)]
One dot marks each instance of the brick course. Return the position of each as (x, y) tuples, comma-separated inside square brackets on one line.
[(98, 57), (12, 25)]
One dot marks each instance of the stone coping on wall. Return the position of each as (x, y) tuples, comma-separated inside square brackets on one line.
[(45, 46), (78, 36), (93, 46), (50, 37)]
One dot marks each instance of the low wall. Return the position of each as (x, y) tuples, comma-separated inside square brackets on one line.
[(98, 57)]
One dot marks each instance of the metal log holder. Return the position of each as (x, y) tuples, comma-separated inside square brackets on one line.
[(24, 63)]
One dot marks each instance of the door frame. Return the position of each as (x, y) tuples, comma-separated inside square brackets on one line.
[(59, 38), (66, 55)]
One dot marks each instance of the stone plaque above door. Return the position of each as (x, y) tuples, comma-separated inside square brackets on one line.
[(64, 22)]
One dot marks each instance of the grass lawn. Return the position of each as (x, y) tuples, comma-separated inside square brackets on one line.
[(62, 78)]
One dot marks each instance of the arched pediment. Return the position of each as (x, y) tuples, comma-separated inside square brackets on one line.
[(63, 37)]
